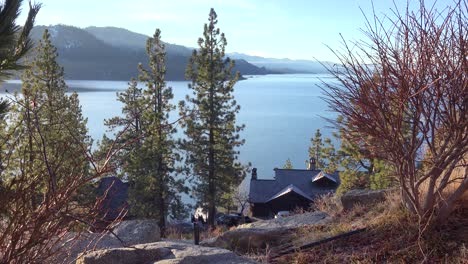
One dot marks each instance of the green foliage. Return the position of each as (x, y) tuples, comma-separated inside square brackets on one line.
[(382, 176), (50, 130), (358, 165), (324, 153), (149, 162), (212, 136), (288, 165), (361, 169), (127, 126), (315, 150), (14, 40)]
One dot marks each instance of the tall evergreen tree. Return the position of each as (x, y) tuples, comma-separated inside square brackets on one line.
[(315, 149), (150, 164), (51, 131), (212, 134), (14, 44), (324, 153), (361, 168), (288, 165), (127, 126)]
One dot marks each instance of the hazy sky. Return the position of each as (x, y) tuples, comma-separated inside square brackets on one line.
[(297, 29)]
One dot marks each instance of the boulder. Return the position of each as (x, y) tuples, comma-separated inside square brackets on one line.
[(246, 240), (292, 221), (75, 244), (259, 235), (125, 255), (164, 252), (363, 197), (133, 232)]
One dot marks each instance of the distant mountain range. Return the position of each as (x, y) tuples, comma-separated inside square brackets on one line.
[(110, 53), (285, 65)]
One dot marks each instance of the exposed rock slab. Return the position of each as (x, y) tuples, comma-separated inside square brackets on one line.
[(246, 240), (124, 255), (133, 232), (292, 221), (164, 252), (259, 235), (75, 244), (364, 197)]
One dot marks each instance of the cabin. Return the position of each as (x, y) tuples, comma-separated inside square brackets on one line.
[(290, 189)]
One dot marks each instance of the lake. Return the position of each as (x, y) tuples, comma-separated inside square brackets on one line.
[(281, 114)]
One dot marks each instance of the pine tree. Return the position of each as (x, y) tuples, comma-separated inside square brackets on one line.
[(14, 40), (361, 168), (315, 149), (127, 126), (150, 164), (324, 153), (288, 165), (14, 44), (51, 129), (212, 134)]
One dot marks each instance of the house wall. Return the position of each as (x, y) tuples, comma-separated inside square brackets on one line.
[(287, 202), (261, 210)]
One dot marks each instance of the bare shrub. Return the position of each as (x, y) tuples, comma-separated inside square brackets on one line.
[(329, 204), (404, 94)]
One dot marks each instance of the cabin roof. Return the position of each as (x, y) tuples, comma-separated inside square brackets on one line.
[(303, 182), (290, 188)]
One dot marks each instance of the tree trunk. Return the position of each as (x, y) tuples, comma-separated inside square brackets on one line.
[(405, 199), (447, 205), (162, 216), (211, 180)]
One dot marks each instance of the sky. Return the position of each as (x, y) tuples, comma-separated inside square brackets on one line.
[(295, 29)]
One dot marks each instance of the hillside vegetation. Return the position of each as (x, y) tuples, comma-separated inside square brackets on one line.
[(113, 53)]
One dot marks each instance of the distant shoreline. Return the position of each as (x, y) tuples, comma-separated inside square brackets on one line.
[(80, 86), (9, 88)]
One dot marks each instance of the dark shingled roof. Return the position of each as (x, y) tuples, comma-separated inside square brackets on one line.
[(262, 190)]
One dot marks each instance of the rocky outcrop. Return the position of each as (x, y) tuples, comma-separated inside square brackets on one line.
[(266, 233), (364, 197), (75, 244), (292, 221), (125, 255), (164, 252), (246, 240), (133, 232)]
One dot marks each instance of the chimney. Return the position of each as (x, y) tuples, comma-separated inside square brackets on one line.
[(311, 164), (254, 173)]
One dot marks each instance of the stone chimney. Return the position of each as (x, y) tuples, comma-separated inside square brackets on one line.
[(311, 164), (254, 173)]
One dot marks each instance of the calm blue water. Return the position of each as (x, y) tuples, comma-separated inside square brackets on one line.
[(281, 114)]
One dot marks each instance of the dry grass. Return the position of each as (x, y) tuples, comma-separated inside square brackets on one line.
[(456, 178), (210, 233), (346, 221), (392, 237), (174, 233), (329, 204), (263, 256)]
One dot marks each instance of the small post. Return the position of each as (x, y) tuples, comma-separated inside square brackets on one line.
[(196, 233)]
